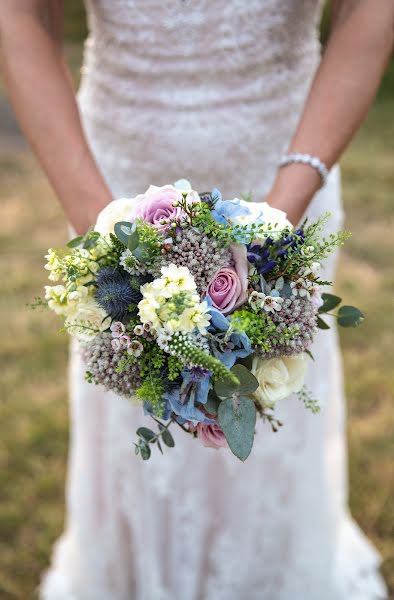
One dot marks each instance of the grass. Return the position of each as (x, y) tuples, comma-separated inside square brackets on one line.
[(33, 410)]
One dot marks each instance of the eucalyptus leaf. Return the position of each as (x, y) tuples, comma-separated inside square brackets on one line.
[(167, 438), (145, 451), (75, 242), (147, 434), (226, 388), (238, 420), (322, 324), (141, 254), (212, 404), (246, 362), (247, 381), (133, 240), (350, 316), (330, 301), (123, 230), (91, 240)]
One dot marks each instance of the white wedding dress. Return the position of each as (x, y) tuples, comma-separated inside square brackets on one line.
[(211, 91)]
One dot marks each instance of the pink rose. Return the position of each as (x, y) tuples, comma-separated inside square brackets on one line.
[(228, 288), (212, 436), (157, 204)]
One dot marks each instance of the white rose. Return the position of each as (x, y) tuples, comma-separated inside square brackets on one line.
[(115, 211), (278, 377), (87, 321), (261, 212)]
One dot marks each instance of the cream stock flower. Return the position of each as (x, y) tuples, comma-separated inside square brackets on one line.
[(87, 320)]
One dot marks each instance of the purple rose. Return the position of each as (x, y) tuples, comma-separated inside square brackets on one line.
[(157, 204), (228, 287)]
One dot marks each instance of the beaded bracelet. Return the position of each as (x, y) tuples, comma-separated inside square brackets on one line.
[(306, 159)]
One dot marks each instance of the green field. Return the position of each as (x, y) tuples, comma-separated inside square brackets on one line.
[(33, 409)]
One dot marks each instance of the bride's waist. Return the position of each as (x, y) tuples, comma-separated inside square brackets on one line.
[(106, 92)]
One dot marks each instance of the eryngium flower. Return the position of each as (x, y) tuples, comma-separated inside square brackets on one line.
[(102, 360), (114, 292), (202, 255)]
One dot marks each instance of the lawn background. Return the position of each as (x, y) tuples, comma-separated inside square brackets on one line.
[(33, 408)]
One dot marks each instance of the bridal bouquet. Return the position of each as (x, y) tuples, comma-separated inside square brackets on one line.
[(202, 309)]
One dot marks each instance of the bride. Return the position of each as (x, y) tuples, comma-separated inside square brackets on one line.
[(214, 91)]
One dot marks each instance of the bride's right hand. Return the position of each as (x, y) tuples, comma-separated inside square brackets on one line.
[(42, 95)]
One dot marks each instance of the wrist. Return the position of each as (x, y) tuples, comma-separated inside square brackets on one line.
[(293, 189)]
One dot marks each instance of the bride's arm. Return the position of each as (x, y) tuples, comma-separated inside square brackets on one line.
[(41, 92), (343, 89)]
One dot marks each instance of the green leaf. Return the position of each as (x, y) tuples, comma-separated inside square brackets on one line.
[(309, 353), (247, 381), (322, 324), (237, 418), (145, 451), (141, 254), (147, 434), (123, 231), (91, 240), (226, 388), (75, 242), (330, 301), (246, 362), (213, 402), (133, 240), (167, 438), (350, 316)]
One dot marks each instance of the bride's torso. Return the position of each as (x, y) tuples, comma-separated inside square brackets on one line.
[(210, 90)]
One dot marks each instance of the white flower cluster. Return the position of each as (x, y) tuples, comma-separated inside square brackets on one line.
[(305, 286), (72, 299), (171, 304)]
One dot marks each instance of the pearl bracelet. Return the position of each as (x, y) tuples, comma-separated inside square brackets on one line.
[(306, 159)]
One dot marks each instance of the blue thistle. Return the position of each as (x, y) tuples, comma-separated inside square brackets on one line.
[(114, 293)]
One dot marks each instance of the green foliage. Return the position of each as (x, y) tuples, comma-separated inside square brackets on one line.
[(152, 366), (38, 303), (124, 231), (117, 246), (321, 323), (147, 438), (151, 391), (310, 403), (237, 418), (213, 402), (247, 383), (330, 301), (236, 412), (175, 367), (75, 242), (183, 347), (166, 436), (261, 330), (205, 223), (350, 316)]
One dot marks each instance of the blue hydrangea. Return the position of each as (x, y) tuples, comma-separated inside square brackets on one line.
[(238, 344), (184, 405), (225, 210)]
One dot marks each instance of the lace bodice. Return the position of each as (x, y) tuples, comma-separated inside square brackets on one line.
[(177, 86)]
